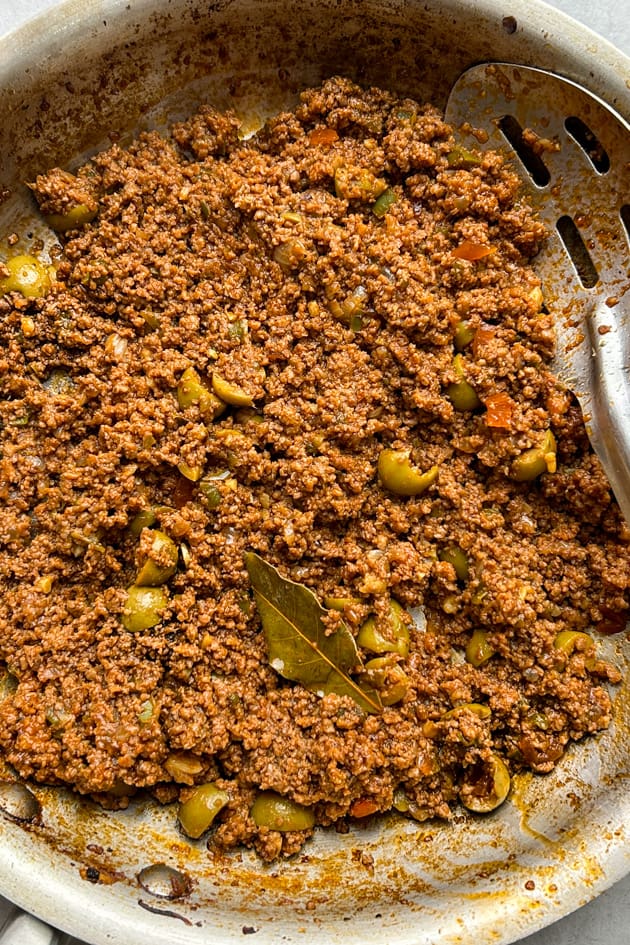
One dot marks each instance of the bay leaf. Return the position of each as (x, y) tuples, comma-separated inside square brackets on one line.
[(298, 646)]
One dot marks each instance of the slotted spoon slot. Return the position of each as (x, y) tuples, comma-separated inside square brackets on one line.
[(577, 251), (532, 162), (589, 142)]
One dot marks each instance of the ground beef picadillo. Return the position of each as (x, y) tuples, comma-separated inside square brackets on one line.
[(358, 288)]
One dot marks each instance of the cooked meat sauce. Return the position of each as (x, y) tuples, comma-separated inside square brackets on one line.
[(316, 360)]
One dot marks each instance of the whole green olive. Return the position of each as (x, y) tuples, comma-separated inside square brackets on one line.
[(27, 275), (388, 677), (73, 218), (485, 785), (397, 474), (143, 608), (276, 812), (198, 811)]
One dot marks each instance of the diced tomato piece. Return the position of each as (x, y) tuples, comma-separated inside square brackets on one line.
[(323, 137), (472, 251), (363, 808), (499, 410)]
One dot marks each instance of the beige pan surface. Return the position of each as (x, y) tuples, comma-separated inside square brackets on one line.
[(559, 841)]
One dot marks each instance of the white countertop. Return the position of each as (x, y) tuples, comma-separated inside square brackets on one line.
[(606, 920)]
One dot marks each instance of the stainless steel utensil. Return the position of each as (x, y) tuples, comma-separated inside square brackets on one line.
[(573, 152)]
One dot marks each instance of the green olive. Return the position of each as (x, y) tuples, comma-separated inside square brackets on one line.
[(183, 766), (211, 494), (478, 650), (197, 813), (276, 812), (371, 636), (291, 254), (456, 557), (161, 562), (145, 518), (568, 640), (464, 334), (340, 603), (27, 275), (77, 216), (536, 461), (353, 183), (485, 785), (230, 393), (386, 200), (8, 685), (397, 474), (191, 391), (400, 801), (143, 608), (460, 158), (384, 674), (192, 473), (477, 708), (147, 711), (461, 394)]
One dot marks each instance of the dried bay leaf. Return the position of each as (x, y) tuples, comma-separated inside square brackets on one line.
[(298, 646)]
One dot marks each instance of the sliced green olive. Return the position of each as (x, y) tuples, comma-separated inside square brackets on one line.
[(77, 216), (353, 183), (485, 785), (161, 562), (371, 636), (340, 603), (291, 254), (477, 708), (568, 640), (27, 275), (143, 608), (478, 650), (183, 766), (536, 461), (276, 812), (397, 474), (192, 473), (401, 801), (211, 494), (456, 557), (384, 674), (147, 711), (197, 813), (230, 393), (461, 394), (190, 390)]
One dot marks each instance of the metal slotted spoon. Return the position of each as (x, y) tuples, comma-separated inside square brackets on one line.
[(581, 190)]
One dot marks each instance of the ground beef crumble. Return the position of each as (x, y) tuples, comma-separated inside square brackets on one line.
[(339, 271)]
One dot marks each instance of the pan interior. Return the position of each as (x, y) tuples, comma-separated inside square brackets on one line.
[(68, 84)]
